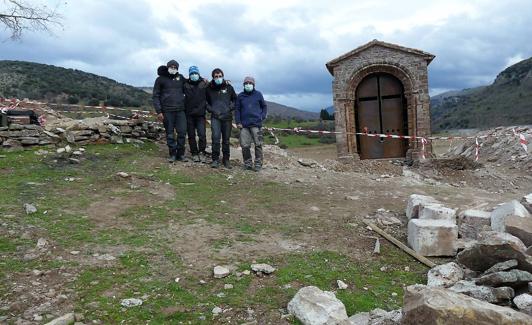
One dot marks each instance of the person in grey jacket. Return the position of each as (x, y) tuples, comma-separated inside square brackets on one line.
[(169, 103), (220, 103)]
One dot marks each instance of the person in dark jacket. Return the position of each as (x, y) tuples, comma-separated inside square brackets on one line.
[(250, 112), (195, 107), (221, 99), (169, 103)]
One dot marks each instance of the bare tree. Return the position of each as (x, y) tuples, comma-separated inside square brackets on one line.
[(17, 17)]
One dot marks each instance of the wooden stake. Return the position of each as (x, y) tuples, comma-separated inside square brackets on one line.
[(402, 246)]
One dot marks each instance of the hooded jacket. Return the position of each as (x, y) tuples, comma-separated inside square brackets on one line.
[(251, 109), (196, 97), (168, 91), (221, 100)]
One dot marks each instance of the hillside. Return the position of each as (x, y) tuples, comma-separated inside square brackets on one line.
[(508, 101), (276, 110), (56, 84)]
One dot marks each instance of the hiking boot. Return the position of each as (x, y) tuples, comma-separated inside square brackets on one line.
[(171, 159), (203, 157), (258, 168), (182, 159), (196, 158), (248, 167), (171, 155), (215, 164), (227, 164)]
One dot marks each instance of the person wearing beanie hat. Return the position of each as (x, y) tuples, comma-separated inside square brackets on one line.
[(195, 108), (169, 104), (221, 99), (250, 111)]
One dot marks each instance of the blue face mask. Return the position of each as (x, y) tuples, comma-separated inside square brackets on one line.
[(194, 77), (218, 81), (248, 87)]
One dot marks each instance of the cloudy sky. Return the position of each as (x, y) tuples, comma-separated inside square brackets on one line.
[(284, 44)]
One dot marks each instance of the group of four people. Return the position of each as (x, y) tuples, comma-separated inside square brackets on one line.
[(182, 105)]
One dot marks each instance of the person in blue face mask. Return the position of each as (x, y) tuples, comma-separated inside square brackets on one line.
[(221, 99), (195, 108), (169, 103), (250, 112)]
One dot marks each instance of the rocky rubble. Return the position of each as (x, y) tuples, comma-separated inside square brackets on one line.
[(501, 147)]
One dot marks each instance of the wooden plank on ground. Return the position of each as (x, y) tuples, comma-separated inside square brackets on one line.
[(402, 246)]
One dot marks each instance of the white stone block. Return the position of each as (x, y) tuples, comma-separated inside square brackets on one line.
[(437, 212), (313, 306), (499, 215), (414, 201), (526, 201), (433, 237)]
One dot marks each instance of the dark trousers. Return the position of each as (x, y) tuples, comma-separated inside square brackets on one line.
[(196, 124), (175, 122), (220, 130)]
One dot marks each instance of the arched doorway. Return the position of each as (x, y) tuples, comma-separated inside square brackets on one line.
[(380, 108)]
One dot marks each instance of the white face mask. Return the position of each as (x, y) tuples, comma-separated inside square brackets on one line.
[(172, 70)]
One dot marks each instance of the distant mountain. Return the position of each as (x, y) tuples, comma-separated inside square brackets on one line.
[(275, 109), (508, 101), (56, 84)]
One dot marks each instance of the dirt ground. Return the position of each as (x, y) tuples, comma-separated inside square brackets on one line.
[(110, 237)]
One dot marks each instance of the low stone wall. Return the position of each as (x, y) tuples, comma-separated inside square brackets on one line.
[(16, 136)]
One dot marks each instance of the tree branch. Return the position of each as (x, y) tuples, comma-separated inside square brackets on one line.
[(18, 17)]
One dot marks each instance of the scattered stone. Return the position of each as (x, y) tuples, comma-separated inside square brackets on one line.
[(499, 215), (523, 302), (433, 237), (217, 310), (489, 294), (176, 280), (74, 160), (377, 249), (122, 174), (312, 306), (131, 302), (246, 272), (513, 278), (520, 228), (352, 198), (37, 318), (359, 319), (68, 149), (41, 243), (29, 208), (106, 257), (341, 285), (502, 266), (494, 247), (444, 275), (228, 286), (74, 252), (382, 317), (472, 222), (263, 268), (221, 272), (315, 209), (436, 212), (425, 305), (308, 163), (415, 201), (66, 319)]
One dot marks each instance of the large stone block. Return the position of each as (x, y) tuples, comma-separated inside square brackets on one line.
[(499, 215), (472, 222), (495, 247), (425, 305), (415, 201), (312, 306), (436, 212), (444, 275), (433, 237), (520, 228), (526, 201), (489, 294)]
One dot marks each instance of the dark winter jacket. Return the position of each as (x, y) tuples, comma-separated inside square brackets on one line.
[(250, 109), (168, 91), (196, 97), (221, 100)]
